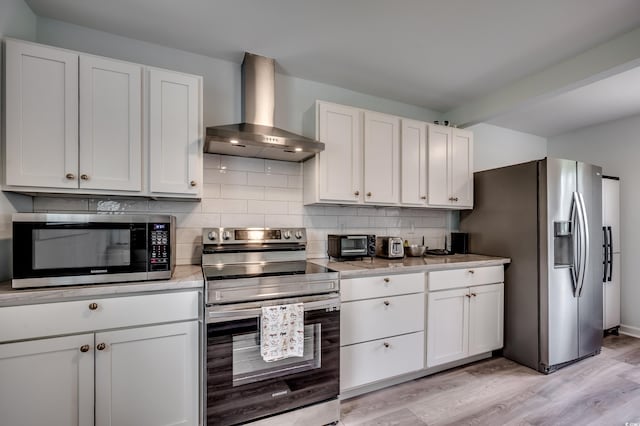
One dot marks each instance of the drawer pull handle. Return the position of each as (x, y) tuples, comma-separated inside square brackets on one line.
[(84, 348), (386, 303), (471, 271), (93, 306), (386, 280), (100, 346), (386, 345)]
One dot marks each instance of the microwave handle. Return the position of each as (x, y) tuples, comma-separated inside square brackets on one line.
[(230, 313)]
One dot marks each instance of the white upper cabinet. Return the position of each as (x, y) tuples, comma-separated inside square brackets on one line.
[(41, 101), (175, 133), (381, 158), (110, 124), (340, 164), (450, 167), (74, 124), (413, 191)]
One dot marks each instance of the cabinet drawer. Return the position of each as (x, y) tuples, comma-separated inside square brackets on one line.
[(377, 318), (381, 359), (466, 277), (380, 286), (30, 321)]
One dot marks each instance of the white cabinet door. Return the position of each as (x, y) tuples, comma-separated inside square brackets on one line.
[(340, 164), (461, 166), (147, 376), (381, 158), (47, 382), (438, 142), (413, 147), (175, 139), (41, 116), (110, 125), (447, 326), (485, 318), (611, 296)]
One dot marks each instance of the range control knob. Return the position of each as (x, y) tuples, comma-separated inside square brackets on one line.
[(212, 236), (226, 235), (298, 234), (286, 235)]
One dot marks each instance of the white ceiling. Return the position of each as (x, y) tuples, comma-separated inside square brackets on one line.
[(437, 54)]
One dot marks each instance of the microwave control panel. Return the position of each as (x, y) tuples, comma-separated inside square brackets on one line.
[(159, 246)]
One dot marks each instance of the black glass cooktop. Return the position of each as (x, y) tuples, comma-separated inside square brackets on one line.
[(252, 270)]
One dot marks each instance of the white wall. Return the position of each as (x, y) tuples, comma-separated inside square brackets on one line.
[(497, 147), (616, 147), (295, 98), (16, 20)]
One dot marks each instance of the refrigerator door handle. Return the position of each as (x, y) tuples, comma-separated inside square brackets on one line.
[(573, 217), (605, 259), (610, 254), (584, 243)]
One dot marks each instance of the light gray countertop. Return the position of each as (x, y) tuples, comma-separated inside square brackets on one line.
[(184, 277), (376, 266)]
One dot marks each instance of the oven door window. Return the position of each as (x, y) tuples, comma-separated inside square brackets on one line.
[(249, 367), (354, 245)]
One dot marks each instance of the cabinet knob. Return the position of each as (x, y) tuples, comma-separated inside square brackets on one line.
[(84, 177), (473, 294), (455, 199), (93, 306), (424, 197), (466, 295), (193, 183), (386, 303), (100, 346), (84, 348), (471, 271), (70, 176), (386, 345), (451, 198), (386, 280), (356, 193), (368, 194)]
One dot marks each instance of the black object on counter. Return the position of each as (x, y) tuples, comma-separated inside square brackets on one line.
[(460, 242)]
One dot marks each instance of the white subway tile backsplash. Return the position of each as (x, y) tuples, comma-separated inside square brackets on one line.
[(211, 190), (265, 179), (242, 192), (294, 181), (268, 207), (228, 162), (225, 176), (283, 194), (283, 220), (283, 167), (228, 220)]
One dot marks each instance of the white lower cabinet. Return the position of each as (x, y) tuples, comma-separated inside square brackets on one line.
[(369, 362), (47, 382), (144, 375), (464, 320), (381, 328)]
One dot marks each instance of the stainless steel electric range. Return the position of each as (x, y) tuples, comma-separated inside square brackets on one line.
[(246, 269)]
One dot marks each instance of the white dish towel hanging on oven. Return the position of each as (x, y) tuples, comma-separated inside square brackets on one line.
[(282, 331)]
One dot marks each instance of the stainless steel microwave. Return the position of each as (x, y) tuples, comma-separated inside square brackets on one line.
[(72, 249)]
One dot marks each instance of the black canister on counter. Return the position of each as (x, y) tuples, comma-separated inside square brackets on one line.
[(459, 242)]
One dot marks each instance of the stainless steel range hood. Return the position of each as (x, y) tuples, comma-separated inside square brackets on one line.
[(256, 136)]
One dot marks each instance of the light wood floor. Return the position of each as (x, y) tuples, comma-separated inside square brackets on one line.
[(602, 390)]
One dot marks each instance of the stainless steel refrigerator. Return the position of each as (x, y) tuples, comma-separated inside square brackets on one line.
[(546, 216)]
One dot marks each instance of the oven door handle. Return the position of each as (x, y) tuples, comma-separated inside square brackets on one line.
[(230, 313)]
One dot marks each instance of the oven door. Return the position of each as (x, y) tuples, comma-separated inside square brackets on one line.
[(353, 245), (241, 386)]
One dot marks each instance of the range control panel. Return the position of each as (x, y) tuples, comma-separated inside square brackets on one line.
[(159, 253)]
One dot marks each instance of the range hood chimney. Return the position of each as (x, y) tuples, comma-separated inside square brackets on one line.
[(256, 136)]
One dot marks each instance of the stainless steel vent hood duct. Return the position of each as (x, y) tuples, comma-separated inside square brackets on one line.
[(256, 136)]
